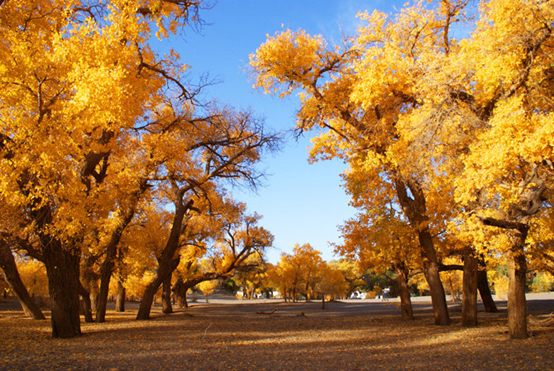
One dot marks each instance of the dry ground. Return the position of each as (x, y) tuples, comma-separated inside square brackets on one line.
[(346, 336)]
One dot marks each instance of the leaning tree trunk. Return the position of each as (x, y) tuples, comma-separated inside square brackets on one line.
[(86, 303), (165, 270), (517, 303), (431, 270), (107, 269), (62, 269), (169, 259), (469, 301), (485, 290), (406, 308), (415, 209), (12, 277)]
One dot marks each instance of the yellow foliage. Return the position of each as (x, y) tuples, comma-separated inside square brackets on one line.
[(33, 275)]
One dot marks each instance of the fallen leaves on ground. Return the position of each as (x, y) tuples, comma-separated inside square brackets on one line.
[(233, 337)]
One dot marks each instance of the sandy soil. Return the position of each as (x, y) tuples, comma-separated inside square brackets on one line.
[(232, 335)]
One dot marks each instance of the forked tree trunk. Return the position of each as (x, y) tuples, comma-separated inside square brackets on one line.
[(406, 308), (62, 268), (517, 303), (165, 270), (411, 198), (168, 261), (120, 296), (469, 301), (485, 290), (12, 277)]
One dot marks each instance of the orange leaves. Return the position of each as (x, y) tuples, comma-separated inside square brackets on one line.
[(288, 57)]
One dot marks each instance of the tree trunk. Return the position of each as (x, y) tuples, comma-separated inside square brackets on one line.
[(165, 269), (485, 291), (517, 303), (431, 270), (62, 268), (405, 300), (12, 277), (86, 303), (166, 295), (106, 272), (416, 211), (469, 303), (120, 296), (107, 268), (169, 259), (148, 296), (322, 301), (180, 290)]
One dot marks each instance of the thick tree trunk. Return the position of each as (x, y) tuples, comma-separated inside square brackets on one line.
[(180, 291), (62, 268), (517, 303), (406, 308), (517, 269), (469, 301), (485, 291), (120, 296), (166, 295), (431, 270), (322, 301), (12, 277), (148, 297), (165, 269)]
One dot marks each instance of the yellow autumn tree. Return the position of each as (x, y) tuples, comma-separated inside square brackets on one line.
[(72, 77), (236, 245), (495, 89), (85, 76), (361, 95)]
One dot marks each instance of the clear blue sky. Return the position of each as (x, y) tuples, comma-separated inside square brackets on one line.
[(300, 203)]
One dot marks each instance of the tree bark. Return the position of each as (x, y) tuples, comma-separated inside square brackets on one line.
[(12, 277), (406, 308), (169, 259), (431, 271), (106, 271), (166, 295), (469, 301), (86, 303), (485, 291), (62, 268), (415, 209), (517, 303), (180, 291), (120, 296), (517, 268)]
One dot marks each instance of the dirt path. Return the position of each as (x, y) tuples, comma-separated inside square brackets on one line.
[(300, 336)]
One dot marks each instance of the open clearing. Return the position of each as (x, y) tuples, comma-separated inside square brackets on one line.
[(231, 335)]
